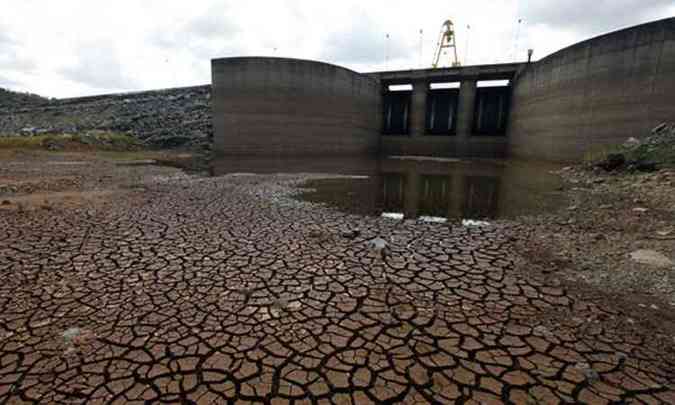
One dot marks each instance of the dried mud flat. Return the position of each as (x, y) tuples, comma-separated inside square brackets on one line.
[(171, 288)]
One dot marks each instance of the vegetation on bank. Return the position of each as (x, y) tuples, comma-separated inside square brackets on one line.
[(10, 100), (93, 140), (655, 151)]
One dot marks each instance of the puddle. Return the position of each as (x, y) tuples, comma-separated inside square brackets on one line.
[(432, 190), (437, 191), (143, 162)]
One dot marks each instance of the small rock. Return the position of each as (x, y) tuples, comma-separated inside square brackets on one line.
[(640, 210), (474, 223), (590, 374), (651, 257), (644, 166), (542, 331), (351, 234), (631, 143), (659, 128), (393, 215), (378, 244), (71, 334), (612, 162), (433, 220), (315, 233)]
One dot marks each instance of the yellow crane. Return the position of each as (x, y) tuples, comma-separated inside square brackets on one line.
[(446, 42)]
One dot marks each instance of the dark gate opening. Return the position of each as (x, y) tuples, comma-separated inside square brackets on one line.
[(396, 112), (481, 198), (491, 111), (393, 192), (441, 114), (434, 195)]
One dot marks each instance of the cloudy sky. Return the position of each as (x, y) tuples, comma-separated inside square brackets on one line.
[(69, 48)]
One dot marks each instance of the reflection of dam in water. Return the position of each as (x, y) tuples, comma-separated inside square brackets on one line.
[(419, 188), (437, 195), (467, 189)]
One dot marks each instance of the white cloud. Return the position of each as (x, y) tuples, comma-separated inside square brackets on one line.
[(99, 67), (77, 47)]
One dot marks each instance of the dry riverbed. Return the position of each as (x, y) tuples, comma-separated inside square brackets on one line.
[(129, 281)]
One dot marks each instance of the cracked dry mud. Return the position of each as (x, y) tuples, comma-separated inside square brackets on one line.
[(227, 290)]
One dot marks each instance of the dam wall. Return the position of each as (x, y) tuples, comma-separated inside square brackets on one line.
[(593, 94), (286, 107)]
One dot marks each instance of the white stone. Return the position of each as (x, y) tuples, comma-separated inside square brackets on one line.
[(436, 220), (474, 223), (652, 258), (377, 244), (393, 215), (631, 143)]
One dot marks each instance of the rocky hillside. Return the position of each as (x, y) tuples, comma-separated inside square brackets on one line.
[(179, 117), (10, 100)]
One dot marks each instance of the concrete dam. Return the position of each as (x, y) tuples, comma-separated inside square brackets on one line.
[(587, 96)]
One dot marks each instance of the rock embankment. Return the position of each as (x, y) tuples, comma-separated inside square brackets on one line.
[(11, 100), (179, 117)]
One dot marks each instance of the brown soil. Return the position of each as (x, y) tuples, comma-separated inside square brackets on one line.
[(587, 246), (141, 283)]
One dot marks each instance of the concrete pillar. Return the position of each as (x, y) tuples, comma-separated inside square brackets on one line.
[(412, 194), (457, 188), (467, 99), (418, 108)]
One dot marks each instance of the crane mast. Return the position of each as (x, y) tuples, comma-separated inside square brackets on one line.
[(446, 42)]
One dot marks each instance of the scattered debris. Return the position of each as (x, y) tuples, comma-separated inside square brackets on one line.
[(435, 220), (142, 162), (351, 234), (474, 223), (393, 215)]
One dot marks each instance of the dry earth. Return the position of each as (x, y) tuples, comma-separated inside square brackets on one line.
[(130, 283)]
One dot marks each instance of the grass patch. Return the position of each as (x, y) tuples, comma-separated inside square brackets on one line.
[(92, 140), (662, 154), (22, 142)]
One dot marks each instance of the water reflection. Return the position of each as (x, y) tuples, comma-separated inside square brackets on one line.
[(431, 189)]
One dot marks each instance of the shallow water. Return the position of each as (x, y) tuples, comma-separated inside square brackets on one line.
[(430, 189)]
